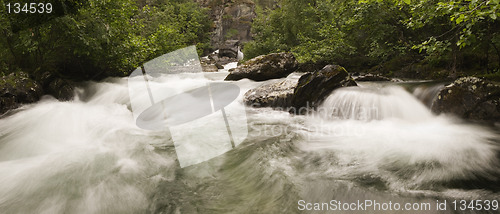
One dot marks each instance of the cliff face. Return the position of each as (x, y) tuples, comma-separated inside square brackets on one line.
[(233, 18)]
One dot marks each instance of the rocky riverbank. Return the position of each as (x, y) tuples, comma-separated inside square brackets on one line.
[(17, 89), (470, 98)]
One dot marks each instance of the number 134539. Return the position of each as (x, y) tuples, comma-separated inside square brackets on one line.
[(29, 7)]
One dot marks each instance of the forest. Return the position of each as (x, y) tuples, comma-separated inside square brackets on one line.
[(85, 40), (302, 105), (442, 38)]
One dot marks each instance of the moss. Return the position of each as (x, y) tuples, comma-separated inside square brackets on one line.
[(227, 17), (231, 33)]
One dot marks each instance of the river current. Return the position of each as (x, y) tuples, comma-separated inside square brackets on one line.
[(378, 141)]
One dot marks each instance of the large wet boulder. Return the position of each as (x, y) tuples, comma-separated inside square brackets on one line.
[(276, 95), (17, 89), (265, 67), (314, 87), (61, 89), (54, 85), (471, 98)]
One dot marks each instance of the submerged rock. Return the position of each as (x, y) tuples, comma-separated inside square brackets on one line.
[(17, 89), (277, 95), (265, 67), (470, 98), (313, 88)]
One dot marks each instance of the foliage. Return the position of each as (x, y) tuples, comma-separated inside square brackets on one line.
[(451, 34), (99, 38)]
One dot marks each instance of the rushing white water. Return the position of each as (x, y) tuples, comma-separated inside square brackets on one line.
[(428, 93), (88, 155), (387, 132)]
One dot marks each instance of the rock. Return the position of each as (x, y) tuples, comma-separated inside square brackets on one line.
[(219, 66), (229, 49), (56, 86), (225, 60), (277, 95), (213, 58), (313, 88), (265, 67), (61, 89), (371, 77), (470, 98), (396, 80), (209, 68), (233, 21), (17, 89)]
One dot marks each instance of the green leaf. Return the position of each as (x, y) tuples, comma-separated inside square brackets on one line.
[(460, 19)]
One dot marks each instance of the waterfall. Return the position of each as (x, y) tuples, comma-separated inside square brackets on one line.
[(388, 133), (365, 103)]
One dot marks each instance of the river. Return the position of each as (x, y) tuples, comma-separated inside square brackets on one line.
[(378, 142)]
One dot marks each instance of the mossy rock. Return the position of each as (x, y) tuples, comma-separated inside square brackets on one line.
[(17, 89), (470, 98), (265, 67)]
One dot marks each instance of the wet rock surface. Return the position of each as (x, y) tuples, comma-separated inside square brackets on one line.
[(276, 95), (17, 89), (265, 67), (470, 98), (313, 88), (299, 95), (371, 77)]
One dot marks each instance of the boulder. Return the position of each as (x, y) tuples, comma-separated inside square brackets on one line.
[(219, 66), (209, 67), (276, 95), (17, 89), (313, 88), (265, 67), (225, 60), (470, 98), (61, 89), (229, 49), (371, 77), (54, 85)]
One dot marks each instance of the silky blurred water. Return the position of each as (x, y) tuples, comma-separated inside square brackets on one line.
[(376, 141)]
